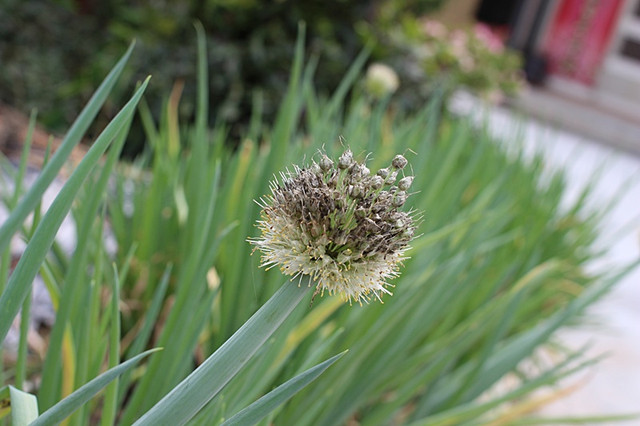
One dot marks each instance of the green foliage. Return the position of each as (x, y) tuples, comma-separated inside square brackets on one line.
[(55, 53), (22, 405), (429, 57), (496, 252), (499, 267), (44, 50), (74, 352)]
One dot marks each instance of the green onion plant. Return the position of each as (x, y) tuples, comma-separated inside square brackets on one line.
[(495, 266)]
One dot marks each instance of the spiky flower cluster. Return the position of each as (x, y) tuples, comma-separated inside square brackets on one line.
[(339, 224)]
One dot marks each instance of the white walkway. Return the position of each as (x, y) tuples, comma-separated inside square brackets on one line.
[(613, 386)]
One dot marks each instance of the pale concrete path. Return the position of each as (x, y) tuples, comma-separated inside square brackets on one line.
[(613, 386)]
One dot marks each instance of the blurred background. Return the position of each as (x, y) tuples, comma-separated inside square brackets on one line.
[(583, 56), (572, 65)]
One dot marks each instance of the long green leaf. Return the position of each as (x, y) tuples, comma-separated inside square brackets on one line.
[(150, 318), (68, 405), (20, 282), (265, 405), (186, 399), (72, 293), (50, 171), (21, 363), (111, 393), (22, 405)]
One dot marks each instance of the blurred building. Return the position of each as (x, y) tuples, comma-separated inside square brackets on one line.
[(586, 56), (582, 58)]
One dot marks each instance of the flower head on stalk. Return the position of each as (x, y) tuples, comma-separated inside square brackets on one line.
[(338, 223)]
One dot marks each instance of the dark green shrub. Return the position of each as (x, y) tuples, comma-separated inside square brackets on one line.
[(53, 53)]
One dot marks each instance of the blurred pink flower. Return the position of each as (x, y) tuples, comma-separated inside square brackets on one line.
[(488, 38), (434, 29), (459, 41)]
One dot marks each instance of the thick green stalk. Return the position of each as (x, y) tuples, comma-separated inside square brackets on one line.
[(193, 393)]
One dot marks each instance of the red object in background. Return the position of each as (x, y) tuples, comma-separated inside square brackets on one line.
[(578, 37)]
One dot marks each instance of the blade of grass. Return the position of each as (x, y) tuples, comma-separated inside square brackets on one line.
[(67, 406), (22, 405), (203, 81), (186, 301), (337, 100), (532, 280), (26, 269), (265, 405), (186, 399), (111, 391), (84, 347), (21, 362), (50, 171), (6, 260), (74, 303), (149, 321)]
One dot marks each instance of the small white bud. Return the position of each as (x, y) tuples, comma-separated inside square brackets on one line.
[(346, 160), (381, 80), (358, 172), (405, 183), (399, 199), (383, 173), (326, 163), (391, 178), (399, 162), (377, 182)]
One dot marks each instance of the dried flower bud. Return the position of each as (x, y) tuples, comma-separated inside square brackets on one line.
[(359, 171), (346, 160), (363, 171), (405, 183), (400, 199), (377, 182), (346, 232), (383, 173), (399, 162), (325, 163)]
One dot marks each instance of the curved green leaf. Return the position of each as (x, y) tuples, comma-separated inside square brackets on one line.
[(193, 393), (50, 171), (68, 405), (255, 412), (20, 282), (23, 406)]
